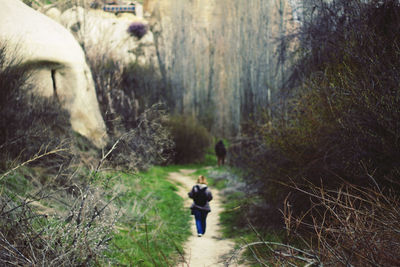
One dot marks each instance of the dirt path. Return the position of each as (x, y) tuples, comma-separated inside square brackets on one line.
[(210, 249)]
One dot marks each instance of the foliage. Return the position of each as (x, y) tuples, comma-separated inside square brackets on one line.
[(137, 29), (191, 139)]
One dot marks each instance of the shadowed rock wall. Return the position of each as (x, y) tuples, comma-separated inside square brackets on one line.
[(57, 64)]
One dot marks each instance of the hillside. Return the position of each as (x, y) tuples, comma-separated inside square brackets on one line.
[(301, 97)]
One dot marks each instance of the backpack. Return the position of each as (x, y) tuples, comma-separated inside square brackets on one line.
[(200, 196)]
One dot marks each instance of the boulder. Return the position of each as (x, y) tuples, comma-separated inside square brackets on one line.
[(105, 33), (57, 63)]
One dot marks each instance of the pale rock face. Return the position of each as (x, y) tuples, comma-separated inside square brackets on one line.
[(52, 12), (58, 65), (105, 33)]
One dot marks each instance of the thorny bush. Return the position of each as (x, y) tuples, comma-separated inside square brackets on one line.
[(351, 226), (149, 143), (343, 118), (341, 127), (74, 233), (132, 120)]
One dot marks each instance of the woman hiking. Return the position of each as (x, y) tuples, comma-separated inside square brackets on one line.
[(201, 195)]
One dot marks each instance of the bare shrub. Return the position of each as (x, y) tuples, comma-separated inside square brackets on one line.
[(72, 229), (333, 154), (351, 226), (149, 143), (263, 164), (57, 213), (31, 123), (51, 212), (12, 77), (342, 118), (107, 75), (131, 118), (146, 84)]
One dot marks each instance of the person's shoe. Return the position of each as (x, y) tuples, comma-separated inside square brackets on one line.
[(199, 235)]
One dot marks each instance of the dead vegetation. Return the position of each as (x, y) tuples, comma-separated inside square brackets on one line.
[(351, 226), (49, 222), (56, 207), (332, 154)]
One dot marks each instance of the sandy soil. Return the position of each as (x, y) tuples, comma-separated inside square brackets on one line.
[(210, 249)]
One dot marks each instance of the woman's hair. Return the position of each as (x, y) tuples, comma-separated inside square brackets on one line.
[(201, 180)]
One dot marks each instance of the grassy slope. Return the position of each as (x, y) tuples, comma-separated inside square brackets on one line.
[(154, 225)]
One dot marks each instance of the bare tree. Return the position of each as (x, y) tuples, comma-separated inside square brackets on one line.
[(222, 57)]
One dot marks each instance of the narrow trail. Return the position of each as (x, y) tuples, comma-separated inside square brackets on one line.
[(210, 249)]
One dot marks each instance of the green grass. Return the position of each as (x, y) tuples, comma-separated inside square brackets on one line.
[(16, 183), (155, 224)]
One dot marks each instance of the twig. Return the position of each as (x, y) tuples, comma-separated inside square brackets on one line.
[(312, 260), (2, 238), (31, 160)]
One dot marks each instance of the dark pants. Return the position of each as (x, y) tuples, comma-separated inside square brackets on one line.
[(200, 216), (221, 161)]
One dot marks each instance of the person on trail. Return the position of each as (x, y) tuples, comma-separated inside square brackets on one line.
[(220, 151), (201, 195)]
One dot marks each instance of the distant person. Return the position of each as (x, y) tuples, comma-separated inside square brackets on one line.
[(201, 195), (220, 151)]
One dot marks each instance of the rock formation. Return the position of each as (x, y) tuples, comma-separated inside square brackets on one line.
[(102, 33), (57, 63)]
